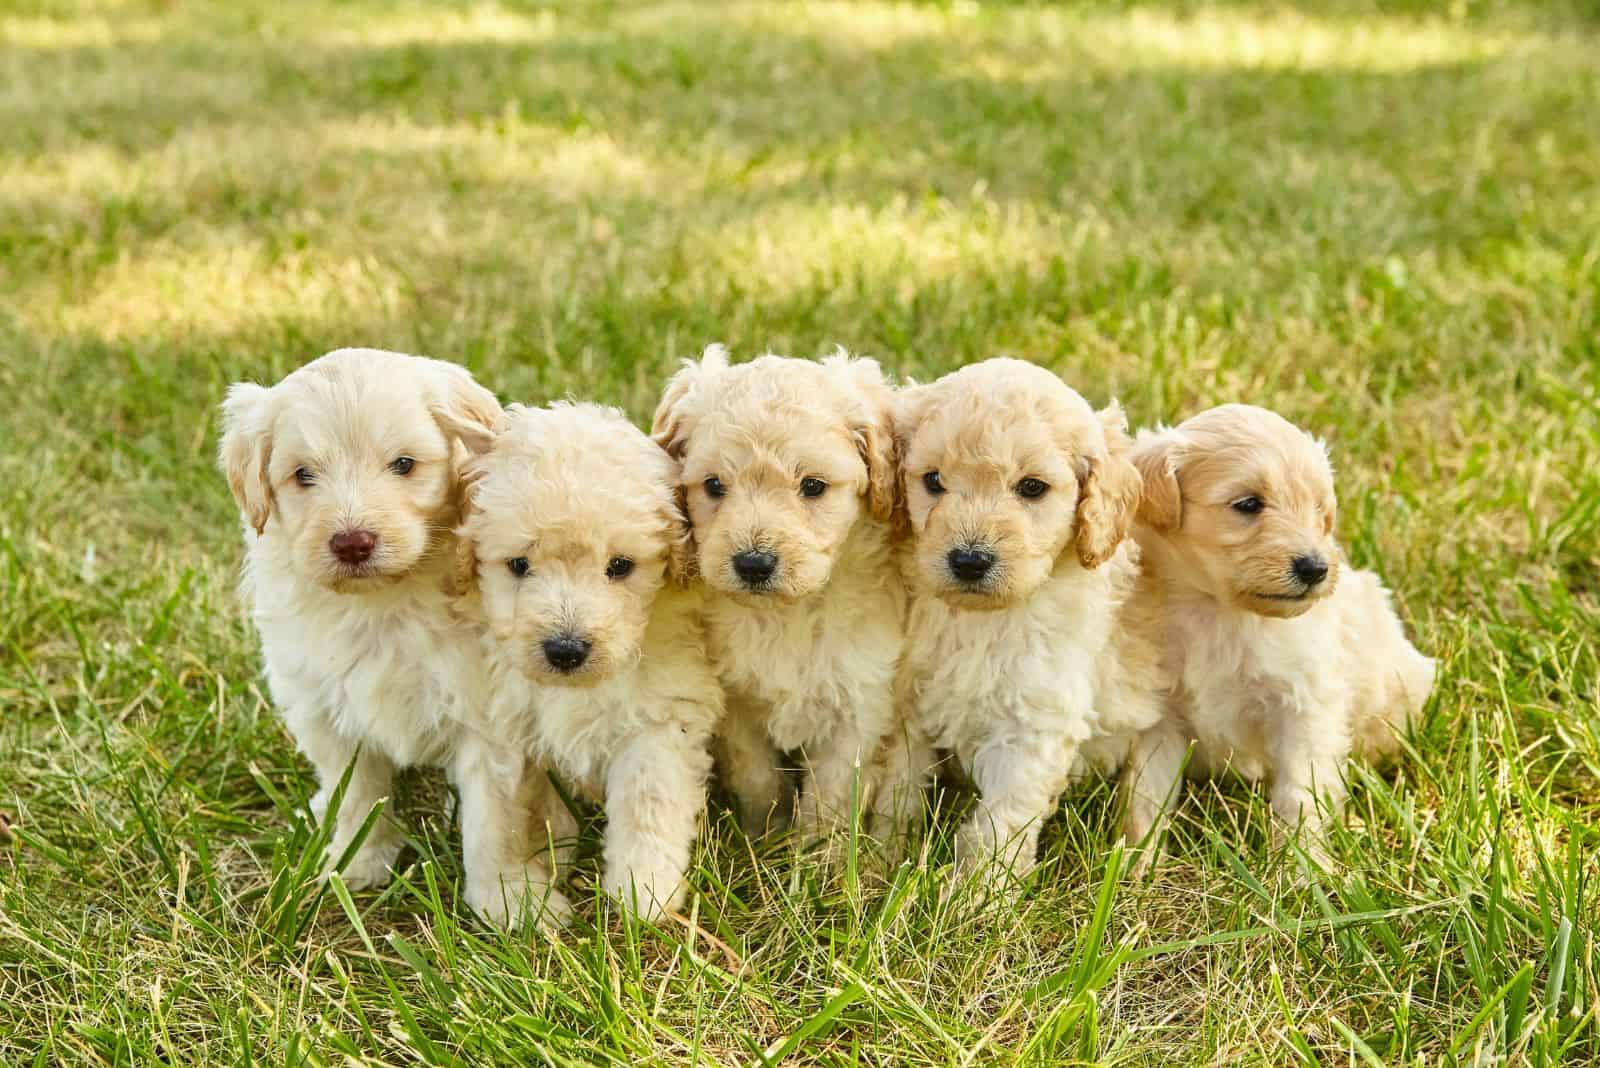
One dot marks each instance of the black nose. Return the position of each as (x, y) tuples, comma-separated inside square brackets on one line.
[(1310, 569), (566, 653), (970, 565), (754, 566), (353, 546)]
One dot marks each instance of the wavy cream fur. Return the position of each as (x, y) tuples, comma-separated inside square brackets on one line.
[(1048, 664), (366, 660), (1279, 682), (807, 661), (571, 488)]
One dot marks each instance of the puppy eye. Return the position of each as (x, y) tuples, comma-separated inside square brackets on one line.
[(518, 565), (932, 484), (620, 567), (1248, 505), (304, 476), (1032, 488), (402, 465), (812, 487), (714, 487)]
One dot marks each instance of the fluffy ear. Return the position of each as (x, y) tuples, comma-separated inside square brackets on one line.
[(872, 426), (910, 402), (1108, 494), (675, 415), (466, 411), (464, 568), (681, 566), (246, 450), (1161, 498)]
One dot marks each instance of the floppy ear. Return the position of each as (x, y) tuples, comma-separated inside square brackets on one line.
[(872, 427), (464, 568), (1161, 498), (1108, 494), (910, 402), (466, 411), (681, 566), (675, 415), (246, 450)]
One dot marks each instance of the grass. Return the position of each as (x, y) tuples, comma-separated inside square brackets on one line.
[(1379, 218)]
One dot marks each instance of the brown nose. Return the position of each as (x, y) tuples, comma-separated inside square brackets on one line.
[(353, 546)]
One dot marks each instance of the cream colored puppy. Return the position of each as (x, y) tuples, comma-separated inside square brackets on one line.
[(1030, 651), (1284, 660), (347, 475), (577, 553), (788, 475)]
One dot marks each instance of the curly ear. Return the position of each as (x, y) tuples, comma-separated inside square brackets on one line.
[(466, 411), (1161, 497), (681, 564), (1108, 494), (910, 402), (464, 567), (678, 410), (246, 450), (872, 427)]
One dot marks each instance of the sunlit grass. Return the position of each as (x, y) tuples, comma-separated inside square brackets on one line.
[(1378, 218)]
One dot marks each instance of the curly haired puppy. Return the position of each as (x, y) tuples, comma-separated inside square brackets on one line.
[(1284, 660), (789, 480), (577, 552), (347, 475), (1030, 651)]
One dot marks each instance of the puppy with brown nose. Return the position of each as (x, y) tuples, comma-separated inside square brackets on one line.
[(1030, 650), (347, 473), (788, 477), (1285, 661)]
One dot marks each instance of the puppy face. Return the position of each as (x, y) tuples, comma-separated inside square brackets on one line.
[(572, 529), (350, 462), (1245, 501), (1008, 474), (781, 458)]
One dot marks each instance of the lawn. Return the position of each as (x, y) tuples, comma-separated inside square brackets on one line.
[(1381, 219)]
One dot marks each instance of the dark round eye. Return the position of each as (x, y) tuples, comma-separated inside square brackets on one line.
[(304, 476), (1032, 487), (714, 487), (402, 465), (812, 487), (1248, 505), (619, 567), (931, 482), (518, 565)]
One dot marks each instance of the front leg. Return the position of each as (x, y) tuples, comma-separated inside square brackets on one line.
[(371, 782), (1308, 784), (905, 768), (655, 793), (834, 775), (1019, 778), (749, 767), (1152, 782), (506, 873)]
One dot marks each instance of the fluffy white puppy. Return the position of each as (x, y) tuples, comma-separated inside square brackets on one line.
[(1030, 651), (577, 555), (1285, 661), (349, 483), (788, 474)]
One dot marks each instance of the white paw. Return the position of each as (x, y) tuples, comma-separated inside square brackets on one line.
[(372, 866), (506, 898), (644, 899)]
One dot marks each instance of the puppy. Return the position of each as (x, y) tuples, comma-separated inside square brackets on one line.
[(1285, 662), (347, 475), (788, 474), (1030, 652), (577, 554)]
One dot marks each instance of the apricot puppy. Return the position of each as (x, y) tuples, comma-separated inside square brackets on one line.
[(347, 474), (1030, 651), (788, 475), (577, 555), (1285, 661)]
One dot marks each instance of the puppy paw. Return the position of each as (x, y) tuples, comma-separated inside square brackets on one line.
[(372, 866), (506, 898)]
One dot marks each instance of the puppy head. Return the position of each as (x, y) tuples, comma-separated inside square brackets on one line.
[(1008, 474), (1244, 501), (572, 529), (781, 458), (350, 460)]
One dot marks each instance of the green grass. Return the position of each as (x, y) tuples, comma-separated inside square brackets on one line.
[(1379, 220)]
